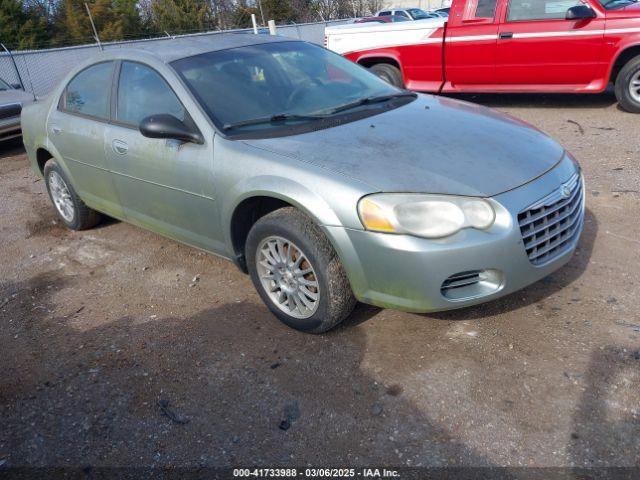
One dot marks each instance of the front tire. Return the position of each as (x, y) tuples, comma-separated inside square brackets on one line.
[(388, 73), (297, 273), (69, 206), (628, 86)]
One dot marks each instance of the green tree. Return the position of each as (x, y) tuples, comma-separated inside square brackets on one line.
[(114, 20), (22, 27), (177, 16)]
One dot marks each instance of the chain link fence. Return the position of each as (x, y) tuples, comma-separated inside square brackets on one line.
[(41, 70)]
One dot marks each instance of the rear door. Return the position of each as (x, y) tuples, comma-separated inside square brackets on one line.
[(164, 185), (77, 128), (538, 47), (470, 47)]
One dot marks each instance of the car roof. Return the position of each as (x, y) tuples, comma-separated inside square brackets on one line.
[(170, 49)]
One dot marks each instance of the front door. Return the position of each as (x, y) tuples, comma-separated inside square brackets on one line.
[(470, 48), (164, 185), (77, 128), (537, 47)]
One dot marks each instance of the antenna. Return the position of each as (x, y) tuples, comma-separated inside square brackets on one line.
[(13, 60), (95, 32)]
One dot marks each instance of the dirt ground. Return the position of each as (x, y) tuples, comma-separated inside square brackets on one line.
[(108, 357)]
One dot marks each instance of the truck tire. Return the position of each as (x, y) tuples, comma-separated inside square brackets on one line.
[(69, 206), (628, 86), (388, 73), (280, 248)]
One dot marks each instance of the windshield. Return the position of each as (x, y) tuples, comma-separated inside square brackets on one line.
[(4, 85), (293, 81), (613, 4), (418, 14)]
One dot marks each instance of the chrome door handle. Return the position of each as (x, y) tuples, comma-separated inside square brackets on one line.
[(55, 129), (119, 147)]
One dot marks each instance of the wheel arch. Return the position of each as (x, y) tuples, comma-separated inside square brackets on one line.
[(369, 61), (625, 55), (263, 195)]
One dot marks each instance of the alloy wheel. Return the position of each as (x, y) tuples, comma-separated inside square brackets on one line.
[(61, 196), (288, 277)]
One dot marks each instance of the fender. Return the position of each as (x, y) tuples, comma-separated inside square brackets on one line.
[(284, 189)]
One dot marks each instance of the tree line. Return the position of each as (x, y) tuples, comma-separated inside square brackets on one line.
[(33, 24)]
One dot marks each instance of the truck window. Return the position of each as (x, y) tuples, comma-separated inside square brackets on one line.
[(520, 10), (486, 9), (384, 14)]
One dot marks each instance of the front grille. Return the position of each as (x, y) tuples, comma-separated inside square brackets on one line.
[(550, 226)]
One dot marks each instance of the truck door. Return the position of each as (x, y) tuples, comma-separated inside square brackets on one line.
[(470, 46), (537, 46)]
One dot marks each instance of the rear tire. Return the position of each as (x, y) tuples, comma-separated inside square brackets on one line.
[(280, 247), (388, 73), (68, 205), (628, 86)]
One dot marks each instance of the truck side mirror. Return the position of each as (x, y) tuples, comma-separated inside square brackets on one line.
[(580, 12)]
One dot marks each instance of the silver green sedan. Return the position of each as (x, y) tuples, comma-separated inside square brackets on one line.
[(324, 183)]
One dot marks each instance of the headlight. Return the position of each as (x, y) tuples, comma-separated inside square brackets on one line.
[(430, 216)]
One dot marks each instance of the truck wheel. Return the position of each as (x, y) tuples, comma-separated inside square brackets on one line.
[(70, 208), (297, 272), (628, 86), (388, 73)]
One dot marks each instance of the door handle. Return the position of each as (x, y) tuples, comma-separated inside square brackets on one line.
[(120, 147), (56, 129), (505, 35)]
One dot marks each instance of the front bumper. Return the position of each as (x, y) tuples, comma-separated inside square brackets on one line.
[(408, 273)]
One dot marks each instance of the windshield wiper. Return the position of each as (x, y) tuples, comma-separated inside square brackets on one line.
[(280, 117), (369, 101)]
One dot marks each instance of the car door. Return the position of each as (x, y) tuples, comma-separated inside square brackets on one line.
[(470, 46), (164, 185), (77, 128), (538, 47)]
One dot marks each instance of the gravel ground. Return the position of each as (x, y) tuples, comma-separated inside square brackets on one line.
[(108, 357)]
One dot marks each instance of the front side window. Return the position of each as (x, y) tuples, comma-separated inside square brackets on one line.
[(142, 92), (401, 13), (88, 92), (384, 14), (616, 4), (4, 85), (275, 79), (520, 10)]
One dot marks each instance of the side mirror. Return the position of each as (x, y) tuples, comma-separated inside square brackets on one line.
[(16, 86), (167, 126), (580, 12)]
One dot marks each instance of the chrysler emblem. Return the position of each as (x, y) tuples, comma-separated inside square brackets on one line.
[(565, 191)]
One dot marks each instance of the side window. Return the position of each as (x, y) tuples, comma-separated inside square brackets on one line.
[(539, 9), (487, 8), (143, 92), (87, 93), (384, 14), (401, 13)]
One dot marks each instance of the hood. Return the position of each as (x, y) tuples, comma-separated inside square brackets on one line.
[(431, 145), (15, 96)]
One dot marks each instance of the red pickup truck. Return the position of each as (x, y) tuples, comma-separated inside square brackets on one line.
[(564, 46)]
